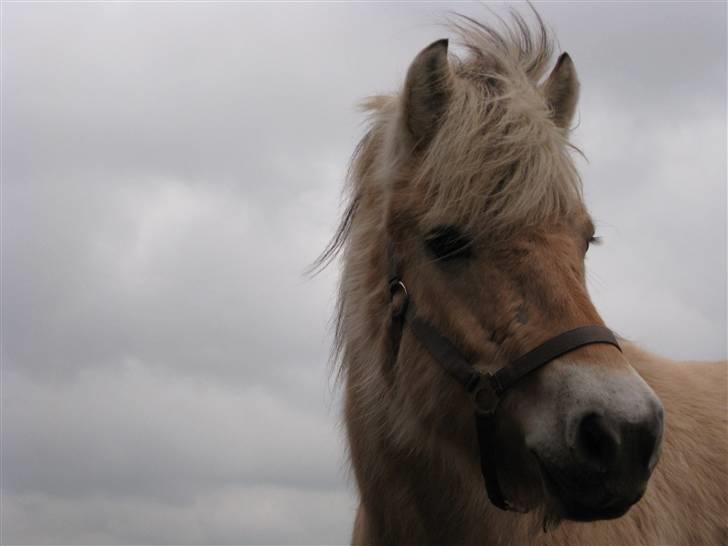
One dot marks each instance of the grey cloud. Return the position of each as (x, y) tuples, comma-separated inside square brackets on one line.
[(230, 515), (189, 277), (134, 431)]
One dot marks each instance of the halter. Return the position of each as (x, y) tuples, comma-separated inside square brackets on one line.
[(487, 389)]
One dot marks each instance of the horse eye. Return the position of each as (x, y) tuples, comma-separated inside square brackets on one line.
[(448, 243)]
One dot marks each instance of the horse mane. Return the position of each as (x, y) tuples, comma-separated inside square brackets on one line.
[(514, 166)]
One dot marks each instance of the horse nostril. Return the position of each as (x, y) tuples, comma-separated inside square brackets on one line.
[(596, 442), (605, 444)]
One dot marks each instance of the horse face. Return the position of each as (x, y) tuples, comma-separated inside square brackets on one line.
[(586, 426), (582, 434)]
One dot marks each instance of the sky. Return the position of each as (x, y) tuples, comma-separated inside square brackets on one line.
[(169, 170)]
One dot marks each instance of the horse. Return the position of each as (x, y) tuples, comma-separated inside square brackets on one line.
[(463, 245)]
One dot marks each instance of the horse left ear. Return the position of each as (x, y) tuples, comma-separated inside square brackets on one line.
[(427, 92), (561, 90)]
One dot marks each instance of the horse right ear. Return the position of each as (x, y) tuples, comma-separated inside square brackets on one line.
[(561, 90), (427, 92)]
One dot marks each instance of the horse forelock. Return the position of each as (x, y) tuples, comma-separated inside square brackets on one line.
[(498, 161)]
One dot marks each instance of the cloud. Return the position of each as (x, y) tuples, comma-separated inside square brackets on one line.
[(137, 431), (230, 515), (144, 456), (188, 276)]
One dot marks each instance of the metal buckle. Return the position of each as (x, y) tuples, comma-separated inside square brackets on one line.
[(485, 396), (395, 285), (399, 305)]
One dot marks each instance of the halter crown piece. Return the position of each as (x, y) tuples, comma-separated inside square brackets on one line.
[(486, 389)]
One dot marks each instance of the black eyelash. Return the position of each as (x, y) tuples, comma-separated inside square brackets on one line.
[(593, 240), (448, 243)]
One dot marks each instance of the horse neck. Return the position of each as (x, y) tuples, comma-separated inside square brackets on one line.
[(418, 484)]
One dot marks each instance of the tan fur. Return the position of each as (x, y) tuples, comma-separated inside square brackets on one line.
[(499, 166)]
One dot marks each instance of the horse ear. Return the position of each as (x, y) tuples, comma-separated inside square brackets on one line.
[(427, 92), (561, 90)]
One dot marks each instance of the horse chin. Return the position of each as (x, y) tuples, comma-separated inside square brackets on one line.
[(560, 505)]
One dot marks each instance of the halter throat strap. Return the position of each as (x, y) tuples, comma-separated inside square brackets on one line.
[(487, 389)]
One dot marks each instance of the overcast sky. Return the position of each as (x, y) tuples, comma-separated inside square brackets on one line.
[(168, 172)]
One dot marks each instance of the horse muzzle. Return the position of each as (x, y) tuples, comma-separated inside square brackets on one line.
[(605, 466)]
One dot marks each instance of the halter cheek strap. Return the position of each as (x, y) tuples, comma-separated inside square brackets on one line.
[(486, 389)]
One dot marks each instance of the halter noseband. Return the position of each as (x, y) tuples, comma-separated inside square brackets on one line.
[(486, 389)]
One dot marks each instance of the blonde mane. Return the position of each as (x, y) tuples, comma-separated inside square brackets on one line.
[(513, 166)]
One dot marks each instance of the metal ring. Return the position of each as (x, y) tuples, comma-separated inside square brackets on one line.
[(485, 396), (399, 283)]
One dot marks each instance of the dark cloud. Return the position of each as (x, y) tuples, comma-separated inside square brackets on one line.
[(169, 171)]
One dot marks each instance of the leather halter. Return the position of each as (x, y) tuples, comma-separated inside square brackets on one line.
[(486, 389)]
